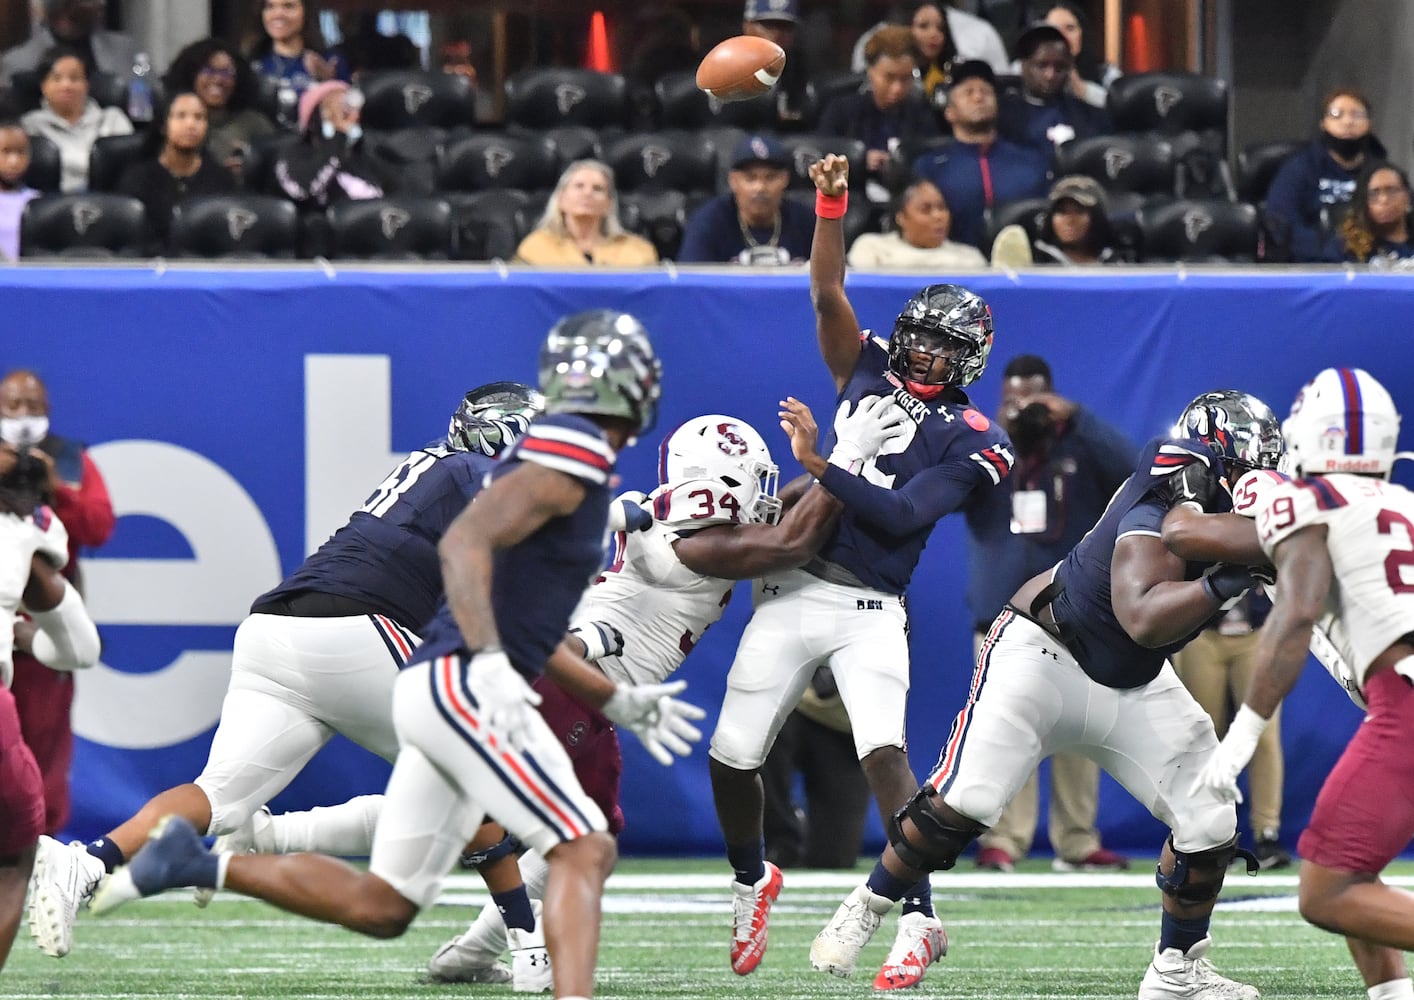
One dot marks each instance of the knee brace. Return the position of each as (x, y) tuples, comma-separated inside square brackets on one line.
[(938, 842), (1197, 877), (497, 851)]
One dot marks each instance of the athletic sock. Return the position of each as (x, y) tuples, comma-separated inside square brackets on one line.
[(106, 851), (534, 872), (515, 908), (1181, 934), (919, 898), (345, 830), (748, 861), (1395, 989), (882, 882)]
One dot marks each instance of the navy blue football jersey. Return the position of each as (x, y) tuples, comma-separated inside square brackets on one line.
[(948, 451), (536, 584), (1102, 647), (385, 557)]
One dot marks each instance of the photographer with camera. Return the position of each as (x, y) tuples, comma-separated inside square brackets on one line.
[(1068, 465)]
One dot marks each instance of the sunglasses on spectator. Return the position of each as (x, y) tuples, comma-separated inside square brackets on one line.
[(220, 72), (1354, 114)]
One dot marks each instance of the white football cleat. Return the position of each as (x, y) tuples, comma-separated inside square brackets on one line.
[(920, 942), (1178, 975), (241, 840), (836, 948), (461, 961), (64, 879), (530, 962)]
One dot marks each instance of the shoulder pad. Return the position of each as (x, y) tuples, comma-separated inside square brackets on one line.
[(1252, 488), (1165, 457), (695, 503), (1289, 507), (568, 447)]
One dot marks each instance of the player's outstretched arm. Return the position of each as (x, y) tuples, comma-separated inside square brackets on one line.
[(836, 327), (1152, 601), (1199, 537), (1304, 568), (65, 637)]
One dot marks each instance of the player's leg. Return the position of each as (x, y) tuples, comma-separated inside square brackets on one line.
[(1011, 836), (15, 871), (1384, 970), (22, 804)]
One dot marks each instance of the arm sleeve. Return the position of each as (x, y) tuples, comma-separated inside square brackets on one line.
[(66, 639), (918, 503), (86, 512)]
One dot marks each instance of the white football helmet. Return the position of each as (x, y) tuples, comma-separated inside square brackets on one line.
[(1343, 420), (715, 446)]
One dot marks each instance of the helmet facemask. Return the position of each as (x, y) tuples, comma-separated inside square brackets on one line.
[(1238, 427), (492, 417)]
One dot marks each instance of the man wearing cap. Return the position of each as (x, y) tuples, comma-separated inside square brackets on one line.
[(73, 23), (776, 21), (1045, 113), (978, 169), (755, 224)]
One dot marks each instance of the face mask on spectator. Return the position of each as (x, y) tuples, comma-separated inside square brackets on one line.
[(23, 432), (1347, 148)]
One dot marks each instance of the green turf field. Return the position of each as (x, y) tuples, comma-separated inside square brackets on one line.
[(666, 925)]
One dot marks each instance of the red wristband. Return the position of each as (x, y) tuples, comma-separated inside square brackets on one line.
[(830, 206)]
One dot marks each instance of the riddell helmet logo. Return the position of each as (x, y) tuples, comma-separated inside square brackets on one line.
[(730, 440)]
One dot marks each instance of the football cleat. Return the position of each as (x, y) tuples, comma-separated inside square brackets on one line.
[(530, 962), (241, 840), (1101, 859), (63, 880), (173, 856), (1179, 975), (920, 942), (751, 911), (836, 948)]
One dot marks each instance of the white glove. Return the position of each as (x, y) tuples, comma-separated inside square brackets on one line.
[(860, 435), (600, 640), (1219, 774), (506, 701), (626, 512), (659, 720)]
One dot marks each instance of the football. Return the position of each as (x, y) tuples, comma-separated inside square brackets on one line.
[(741, 68)]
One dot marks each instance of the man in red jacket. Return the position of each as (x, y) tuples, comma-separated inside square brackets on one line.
[(80, 498)]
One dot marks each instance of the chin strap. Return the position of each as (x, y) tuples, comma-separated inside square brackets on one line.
[(923, 391)]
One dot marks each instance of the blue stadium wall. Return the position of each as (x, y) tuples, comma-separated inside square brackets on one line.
[(238, 415)]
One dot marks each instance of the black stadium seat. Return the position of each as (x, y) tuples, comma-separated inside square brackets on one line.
[(405, 98), (680, 103), (83, 225), (45, 169), (1258, 163), (234, 226), (806, 149), (491, 160), (754, 114), (486, 222), (1169, 102), (663, 161), (1028, 213), (659, 216), (109, 157), (1200, 231), (545, 97), (411, 153), (1139, 163), (857, 217), (572, 142), (391, 229)]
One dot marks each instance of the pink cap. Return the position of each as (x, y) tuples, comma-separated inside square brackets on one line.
[(314, 96)]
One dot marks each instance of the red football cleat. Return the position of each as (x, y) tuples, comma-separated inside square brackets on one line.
[(751, 909), (921, 941)]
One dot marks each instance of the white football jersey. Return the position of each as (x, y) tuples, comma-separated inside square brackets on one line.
[(20, 539), (1370, 537), (659, 605)]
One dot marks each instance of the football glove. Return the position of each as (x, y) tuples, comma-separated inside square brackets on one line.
[(1219, 774), (659, 720), (1195, 483), (626, 512), (1227, 583), (600, 640), (505, 699), (859, 435)]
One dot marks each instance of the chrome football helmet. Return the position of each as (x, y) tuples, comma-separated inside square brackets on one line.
[(1343, 420), (730, 451), (944, 322), (601, 363), (1238, 426), (492, 416)]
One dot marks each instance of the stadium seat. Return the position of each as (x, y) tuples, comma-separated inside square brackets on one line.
[(1170, 102), (826, 86), (497, 160), (663, 161), (680, 103), (258, 165), (1143, 164), (659, 216), (545, 97), (1028, 213), (45, 169), (83, 225), (1200, 231), (1258, 163), (486, 222), (391, 229), (412, 154), (567, 142), (753, 115), (109, 157), (234, 226), (724, 139), (858, 217), (806, 149), (406, 98)]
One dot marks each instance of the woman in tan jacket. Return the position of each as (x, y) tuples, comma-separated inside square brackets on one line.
[(581, 225)]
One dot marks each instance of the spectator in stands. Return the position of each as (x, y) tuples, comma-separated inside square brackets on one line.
[(289, 48), (365, 49), (329, 163), (756, 223), (175, 166), (14, 194), (777, 20), (664, 41), (74, 23), (1376, 230), (69, 118), (1076, 231), (920, 236), (978, 169), (1090, 78), (942, 36), (886, 112), (1313, 188), (1044, 113), (216, 73), (581, 225)]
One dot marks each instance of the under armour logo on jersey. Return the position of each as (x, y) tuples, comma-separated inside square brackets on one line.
[(1166, 99), (1116, 160), (392, 220), (415, 95), (239, 222), (655, 158), (1195, 223), (496, 158), (84, 215), (567, 95), (770, 588)]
